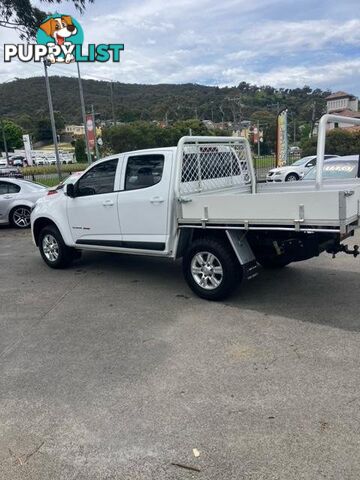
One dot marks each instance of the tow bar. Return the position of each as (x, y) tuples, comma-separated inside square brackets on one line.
[(345, 249)]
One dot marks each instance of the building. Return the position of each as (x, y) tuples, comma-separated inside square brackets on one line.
[(344, 104), (75, 130)]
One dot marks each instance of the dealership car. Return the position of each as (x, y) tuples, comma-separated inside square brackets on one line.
[(338, 168), (17, 198), (14, 172), (294, 172)]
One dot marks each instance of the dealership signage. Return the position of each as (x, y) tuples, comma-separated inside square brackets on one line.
[(60, 40), (282, 138)]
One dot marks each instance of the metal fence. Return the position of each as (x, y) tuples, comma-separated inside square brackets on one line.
[(266, 162), (47, 179)]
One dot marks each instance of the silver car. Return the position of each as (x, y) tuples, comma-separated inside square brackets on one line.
[(17, 198)]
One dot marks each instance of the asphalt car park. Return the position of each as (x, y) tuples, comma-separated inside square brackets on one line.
[(113, 369)]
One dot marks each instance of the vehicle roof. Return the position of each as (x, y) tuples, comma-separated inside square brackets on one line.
[(145, 150), (345, 157), (20, 181)]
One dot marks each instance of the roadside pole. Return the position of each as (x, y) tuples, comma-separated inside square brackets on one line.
[(112, 102), (52, 120), (258, 138), (5, 142), (94, 127), (83, 113)]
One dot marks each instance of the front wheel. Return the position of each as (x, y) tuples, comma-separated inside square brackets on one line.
[(53, 249), (292, 177), (211, 269)]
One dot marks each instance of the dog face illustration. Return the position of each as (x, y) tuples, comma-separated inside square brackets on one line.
[(59, 28)]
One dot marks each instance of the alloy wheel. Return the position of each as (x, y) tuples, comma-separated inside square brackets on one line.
[(21, 217), (50, 247), (207, 270)]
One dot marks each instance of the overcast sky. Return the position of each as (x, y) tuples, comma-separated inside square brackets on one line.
[(283, 43)]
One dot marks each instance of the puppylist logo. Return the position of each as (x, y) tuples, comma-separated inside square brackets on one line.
[(60, 40)]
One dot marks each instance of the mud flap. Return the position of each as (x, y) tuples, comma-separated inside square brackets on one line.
[(244, 253)]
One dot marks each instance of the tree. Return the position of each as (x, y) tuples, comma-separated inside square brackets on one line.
[(80, 153), (338, 142), (139, 135), (25, 122), (22, 16), (267, 121), (13, 135)]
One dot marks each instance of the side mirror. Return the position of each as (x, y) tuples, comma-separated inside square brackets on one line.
[(70, 190)]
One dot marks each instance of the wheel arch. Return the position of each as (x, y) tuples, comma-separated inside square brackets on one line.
[(190, 234), (292, 173), (38, 225), (19, 203)]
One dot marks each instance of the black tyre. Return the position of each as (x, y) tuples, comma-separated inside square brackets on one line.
[(292, 177), (20, 216), (273, 262), (211, 268), (53, 249)]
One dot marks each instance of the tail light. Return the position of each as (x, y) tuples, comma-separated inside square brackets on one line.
[(52, 192)]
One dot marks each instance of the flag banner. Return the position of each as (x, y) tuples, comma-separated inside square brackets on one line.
[(281, 139), (90, 131)]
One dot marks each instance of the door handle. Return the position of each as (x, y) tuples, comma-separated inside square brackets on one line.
[(108, 203), (8, 197), (156, 200)]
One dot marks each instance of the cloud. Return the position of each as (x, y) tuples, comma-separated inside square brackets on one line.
[(274, 42)]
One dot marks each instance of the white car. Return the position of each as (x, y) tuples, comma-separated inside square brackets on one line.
[(17, 198), (294, 172)]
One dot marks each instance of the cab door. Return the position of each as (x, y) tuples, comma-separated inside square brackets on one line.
[(93, 213), (143, 203)]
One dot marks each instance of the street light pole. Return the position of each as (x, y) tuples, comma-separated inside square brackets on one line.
[(52, 120), (112, 102), (83, 114), (5, 142)]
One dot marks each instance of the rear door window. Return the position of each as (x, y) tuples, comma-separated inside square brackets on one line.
[(143, 171), (7, 187)]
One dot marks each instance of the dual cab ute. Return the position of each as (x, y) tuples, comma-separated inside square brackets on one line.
[(200, 202)]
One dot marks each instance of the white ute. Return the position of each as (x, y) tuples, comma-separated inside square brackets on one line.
[(198, 201)]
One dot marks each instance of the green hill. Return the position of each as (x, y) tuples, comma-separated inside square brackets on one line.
[(27, 97)]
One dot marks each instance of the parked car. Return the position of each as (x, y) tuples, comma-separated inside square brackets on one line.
[(200, 202), (10, 172), (346, 167), (41, 161), (295, 150), (294, 172), (18, 161), (17, 198)]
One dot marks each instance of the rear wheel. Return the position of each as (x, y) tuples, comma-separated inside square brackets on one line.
[(211, 269), (53, 249), (20, 216)]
